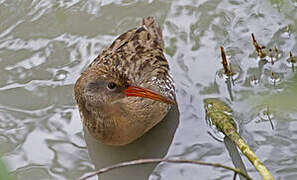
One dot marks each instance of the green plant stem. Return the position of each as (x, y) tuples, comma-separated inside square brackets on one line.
[(220, 115)]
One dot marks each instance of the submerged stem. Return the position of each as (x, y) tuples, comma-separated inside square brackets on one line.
[(220, 115)]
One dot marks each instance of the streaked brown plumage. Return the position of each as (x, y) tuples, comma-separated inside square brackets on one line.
[(126, 90)]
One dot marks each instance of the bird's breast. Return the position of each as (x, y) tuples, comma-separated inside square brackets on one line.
[(127, 120)]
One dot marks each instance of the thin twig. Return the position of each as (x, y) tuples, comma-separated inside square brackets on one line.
[(224, 61), (158, 160), (234, 177)]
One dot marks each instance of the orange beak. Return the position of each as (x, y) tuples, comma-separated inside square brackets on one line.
[(142, 92)]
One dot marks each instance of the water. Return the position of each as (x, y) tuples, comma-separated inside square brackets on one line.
[(44, 45)]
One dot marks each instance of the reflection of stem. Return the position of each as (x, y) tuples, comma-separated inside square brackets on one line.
[(150, 161), (271, 56), (274, 82), (208, 122), (274, 77), (215, 138), (260, 67), (229, 87), (268, 115), (292, 60), (270, 122), (235, 157), (232, 80)]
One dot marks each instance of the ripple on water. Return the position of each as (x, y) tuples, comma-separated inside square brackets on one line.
[(61, 75), (45, 45)]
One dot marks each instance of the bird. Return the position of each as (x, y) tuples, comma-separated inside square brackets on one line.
[(127, 89)]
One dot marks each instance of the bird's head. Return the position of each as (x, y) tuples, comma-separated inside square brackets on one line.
[(98, 89)]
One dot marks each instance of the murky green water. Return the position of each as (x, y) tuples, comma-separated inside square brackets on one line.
[(44, 45)]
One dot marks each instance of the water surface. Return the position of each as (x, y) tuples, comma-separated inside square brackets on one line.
[(45, 45)]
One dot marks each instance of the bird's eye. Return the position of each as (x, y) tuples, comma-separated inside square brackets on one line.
[(111, 86)]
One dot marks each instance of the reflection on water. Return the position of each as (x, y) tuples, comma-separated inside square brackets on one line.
[(152, 144), (44, 45)]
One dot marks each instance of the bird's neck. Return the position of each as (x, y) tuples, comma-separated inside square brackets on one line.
[(97, 122)]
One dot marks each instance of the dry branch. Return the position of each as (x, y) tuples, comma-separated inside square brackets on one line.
[(149, 161)]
